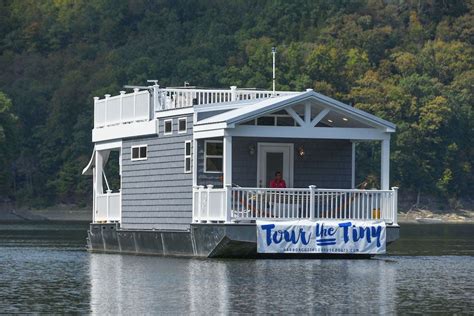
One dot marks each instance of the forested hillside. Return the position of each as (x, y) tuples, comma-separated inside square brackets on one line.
[(410, 62)]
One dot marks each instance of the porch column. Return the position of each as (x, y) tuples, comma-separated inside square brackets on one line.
[(227, 163), (195, 158), (94, 191), (97, 178), (353, 164), (99, 166), (385, 164), (227, 173)]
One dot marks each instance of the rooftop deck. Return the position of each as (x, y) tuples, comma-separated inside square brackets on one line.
[(140, 105)]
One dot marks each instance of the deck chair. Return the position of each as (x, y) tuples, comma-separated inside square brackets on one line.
[(247, 207)]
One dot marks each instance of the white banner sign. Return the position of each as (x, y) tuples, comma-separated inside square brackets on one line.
[(325, 236)]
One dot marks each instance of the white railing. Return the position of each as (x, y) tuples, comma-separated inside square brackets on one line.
[(108, 207), (209, 204), (173, 98), (122, 109), (241, 204), (135, 107)]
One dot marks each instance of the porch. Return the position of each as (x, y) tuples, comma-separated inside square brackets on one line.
[(310, 139), (106, 193)]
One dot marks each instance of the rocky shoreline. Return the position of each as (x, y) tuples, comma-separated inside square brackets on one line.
[(59, 214), (428, 217), (53, 215)]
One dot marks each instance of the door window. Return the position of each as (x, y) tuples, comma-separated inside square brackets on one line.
[(274, 164)]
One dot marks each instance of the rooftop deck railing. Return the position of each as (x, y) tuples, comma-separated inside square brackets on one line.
[(132, 107), (175, 98), (122, 109), (232, 204)]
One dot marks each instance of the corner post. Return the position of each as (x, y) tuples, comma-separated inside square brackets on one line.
[(95, 112), (194, 160), (122, 93), (233, 93), (106, 107), (208, 202), (228, 203), (312, 192), (156, 101), (99, 161), (385, 164), (353, 164), (94, 192), (395, 205), (108, 205), (135, 91), (199, 204), (227, 163)]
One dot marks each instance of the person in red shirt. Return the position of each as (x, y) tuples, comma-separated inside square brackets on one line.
[(277, 182)]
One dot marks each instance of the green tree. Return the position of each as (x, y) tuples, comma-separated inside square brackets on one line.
[(7, 145)]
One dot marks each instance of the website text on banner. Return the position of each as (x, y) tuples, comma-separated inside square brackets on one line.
[(329, 236)]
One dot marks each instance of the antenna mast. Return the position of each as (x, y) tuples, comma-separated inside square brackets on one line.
[(273, 53)]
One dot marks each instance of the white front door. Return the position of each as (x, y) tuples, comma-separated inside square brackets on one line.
[(273, 157)]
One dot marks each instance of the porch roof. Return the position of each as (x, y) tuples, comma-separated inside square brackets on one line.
[(259, 108)]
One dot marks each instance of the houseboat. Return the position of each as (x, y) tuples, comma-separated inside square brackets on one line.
[(237, 173)]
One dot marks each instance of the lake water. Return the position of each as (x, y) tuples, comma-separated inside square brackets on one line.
[(44, 268)]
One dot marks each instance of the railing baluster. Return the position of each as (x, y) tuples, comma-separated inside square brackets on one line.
[(358, 204), (364, 207), (273, 203), (279, 204), (266, 203), (329, 203), (308, 198), (240, 205), (290, 203), (317, 205), (349, 205), (332, 210)]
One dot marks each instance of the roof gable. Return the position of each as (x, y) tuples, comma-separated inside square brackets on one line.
[(267, 106)]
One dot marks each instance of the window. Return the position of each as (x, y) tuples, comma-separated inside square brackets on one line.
[(139, 152), (213, 156), (187, 156), (275, 119), (168, 127), (266, 121), (182, 125)]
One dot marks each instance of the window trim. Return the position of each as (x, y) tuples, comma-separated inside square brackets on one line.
[(213, 156), (188, 157), (164, 127), (139, 158), (185, 119)]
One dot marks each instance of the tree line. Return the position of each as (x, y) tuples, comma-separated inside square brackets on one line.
[(410, 62)]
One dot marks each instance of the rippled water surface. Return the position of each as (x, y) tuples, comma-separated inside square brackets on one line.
[(44, 268)]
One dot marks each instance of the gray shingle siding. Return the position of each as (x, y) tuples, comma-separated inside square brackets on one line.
[(326, 164), (156, 193)]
